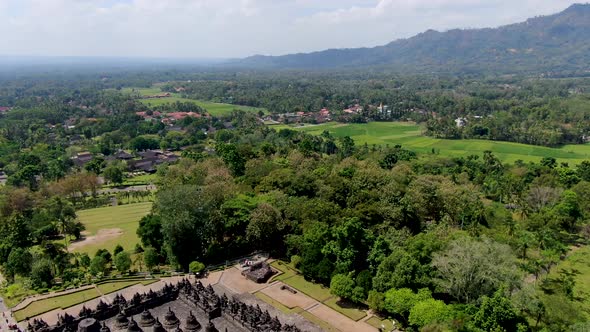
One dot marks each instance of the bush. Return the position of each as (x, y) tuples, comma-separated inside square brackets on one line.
[(196, 267), (295, 261), (122, 261), (429, 311), (41, 274)]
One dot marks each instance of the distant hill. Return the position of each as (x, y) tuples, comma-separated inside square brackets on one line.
[(555, 43)]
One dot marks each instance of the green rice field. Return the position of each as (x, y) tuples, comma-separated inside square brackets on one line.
[(215, 109), (410, 136)]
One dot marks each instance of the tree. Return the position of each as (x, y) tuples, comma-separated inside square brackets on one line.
[(342, 285), (265, 226), (430, 311), (113, 174), (122, 261), (497, 314), (583, 170), (348, 246), (401, 301), (196, 267), (41, 273), (118, 249), (186, 226), (95, 165), (469, 269), (151, 258), (376, 300), (104, 254), (98, 265), (232, 157), (84, 260), (19, 262), (64, 214), (347, 146)]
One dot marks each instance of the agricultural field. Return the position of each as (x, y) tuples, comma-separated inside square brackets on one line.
[(108, 226), (215, 109), (410, 136)]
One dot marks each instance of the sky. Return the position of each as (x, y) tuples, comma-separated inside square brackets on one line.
[(238, 28)]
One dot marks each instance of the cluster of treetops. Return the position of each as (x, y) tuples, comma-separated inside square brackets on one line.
[(539, 111)]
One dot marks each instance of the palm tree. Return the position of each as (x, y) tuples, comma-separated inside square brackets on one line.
[(64, 214)]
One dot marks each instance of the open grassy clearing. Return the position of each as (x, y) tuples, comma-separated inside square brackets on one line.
[(579, 263), (65, 301), (215, 109), (123, 218), (410, 136)]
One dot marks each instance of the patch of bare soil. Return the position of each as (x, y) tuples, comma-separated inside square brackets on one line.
[(102, 235)]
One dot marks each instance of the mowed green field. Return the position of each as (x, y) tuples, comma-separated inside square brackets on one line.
[(215, 109), (109, 226), (410, 136)]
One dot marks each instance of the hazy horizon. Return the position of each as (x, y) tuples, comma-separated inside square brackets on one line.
[(193, 30)]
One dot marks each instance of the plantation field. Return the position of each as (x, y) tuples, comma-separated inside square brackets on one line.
[(215, 109), (108, 226), (409, 135)]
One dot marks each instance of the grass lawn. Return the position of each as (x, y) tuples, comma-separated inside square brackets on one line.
[(286, 271), (578, 262), (351, 312), (65, 301), (215, 109), (140, 179), (115, 286), (319, 322), (123, 217), (409, 135), (276, 304), (315, 291), (376, 322), (295, 280)]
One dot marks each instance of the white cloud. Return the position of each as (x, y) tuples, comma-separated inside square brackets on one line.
[(232, 28)]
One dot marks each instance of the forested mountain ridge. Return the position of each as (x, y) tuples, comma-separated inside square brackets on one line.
[(554, 43)]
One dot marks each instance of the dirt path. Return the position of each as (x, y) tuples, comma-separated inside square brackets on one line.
[(101, 235)]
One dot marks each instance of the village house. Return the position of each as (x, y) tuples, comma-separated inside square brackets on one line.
[(150, 159), (146, 116), (82, 158), (159, 95), (4, 109), (356, 109), (3, 178), (460, 122)]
